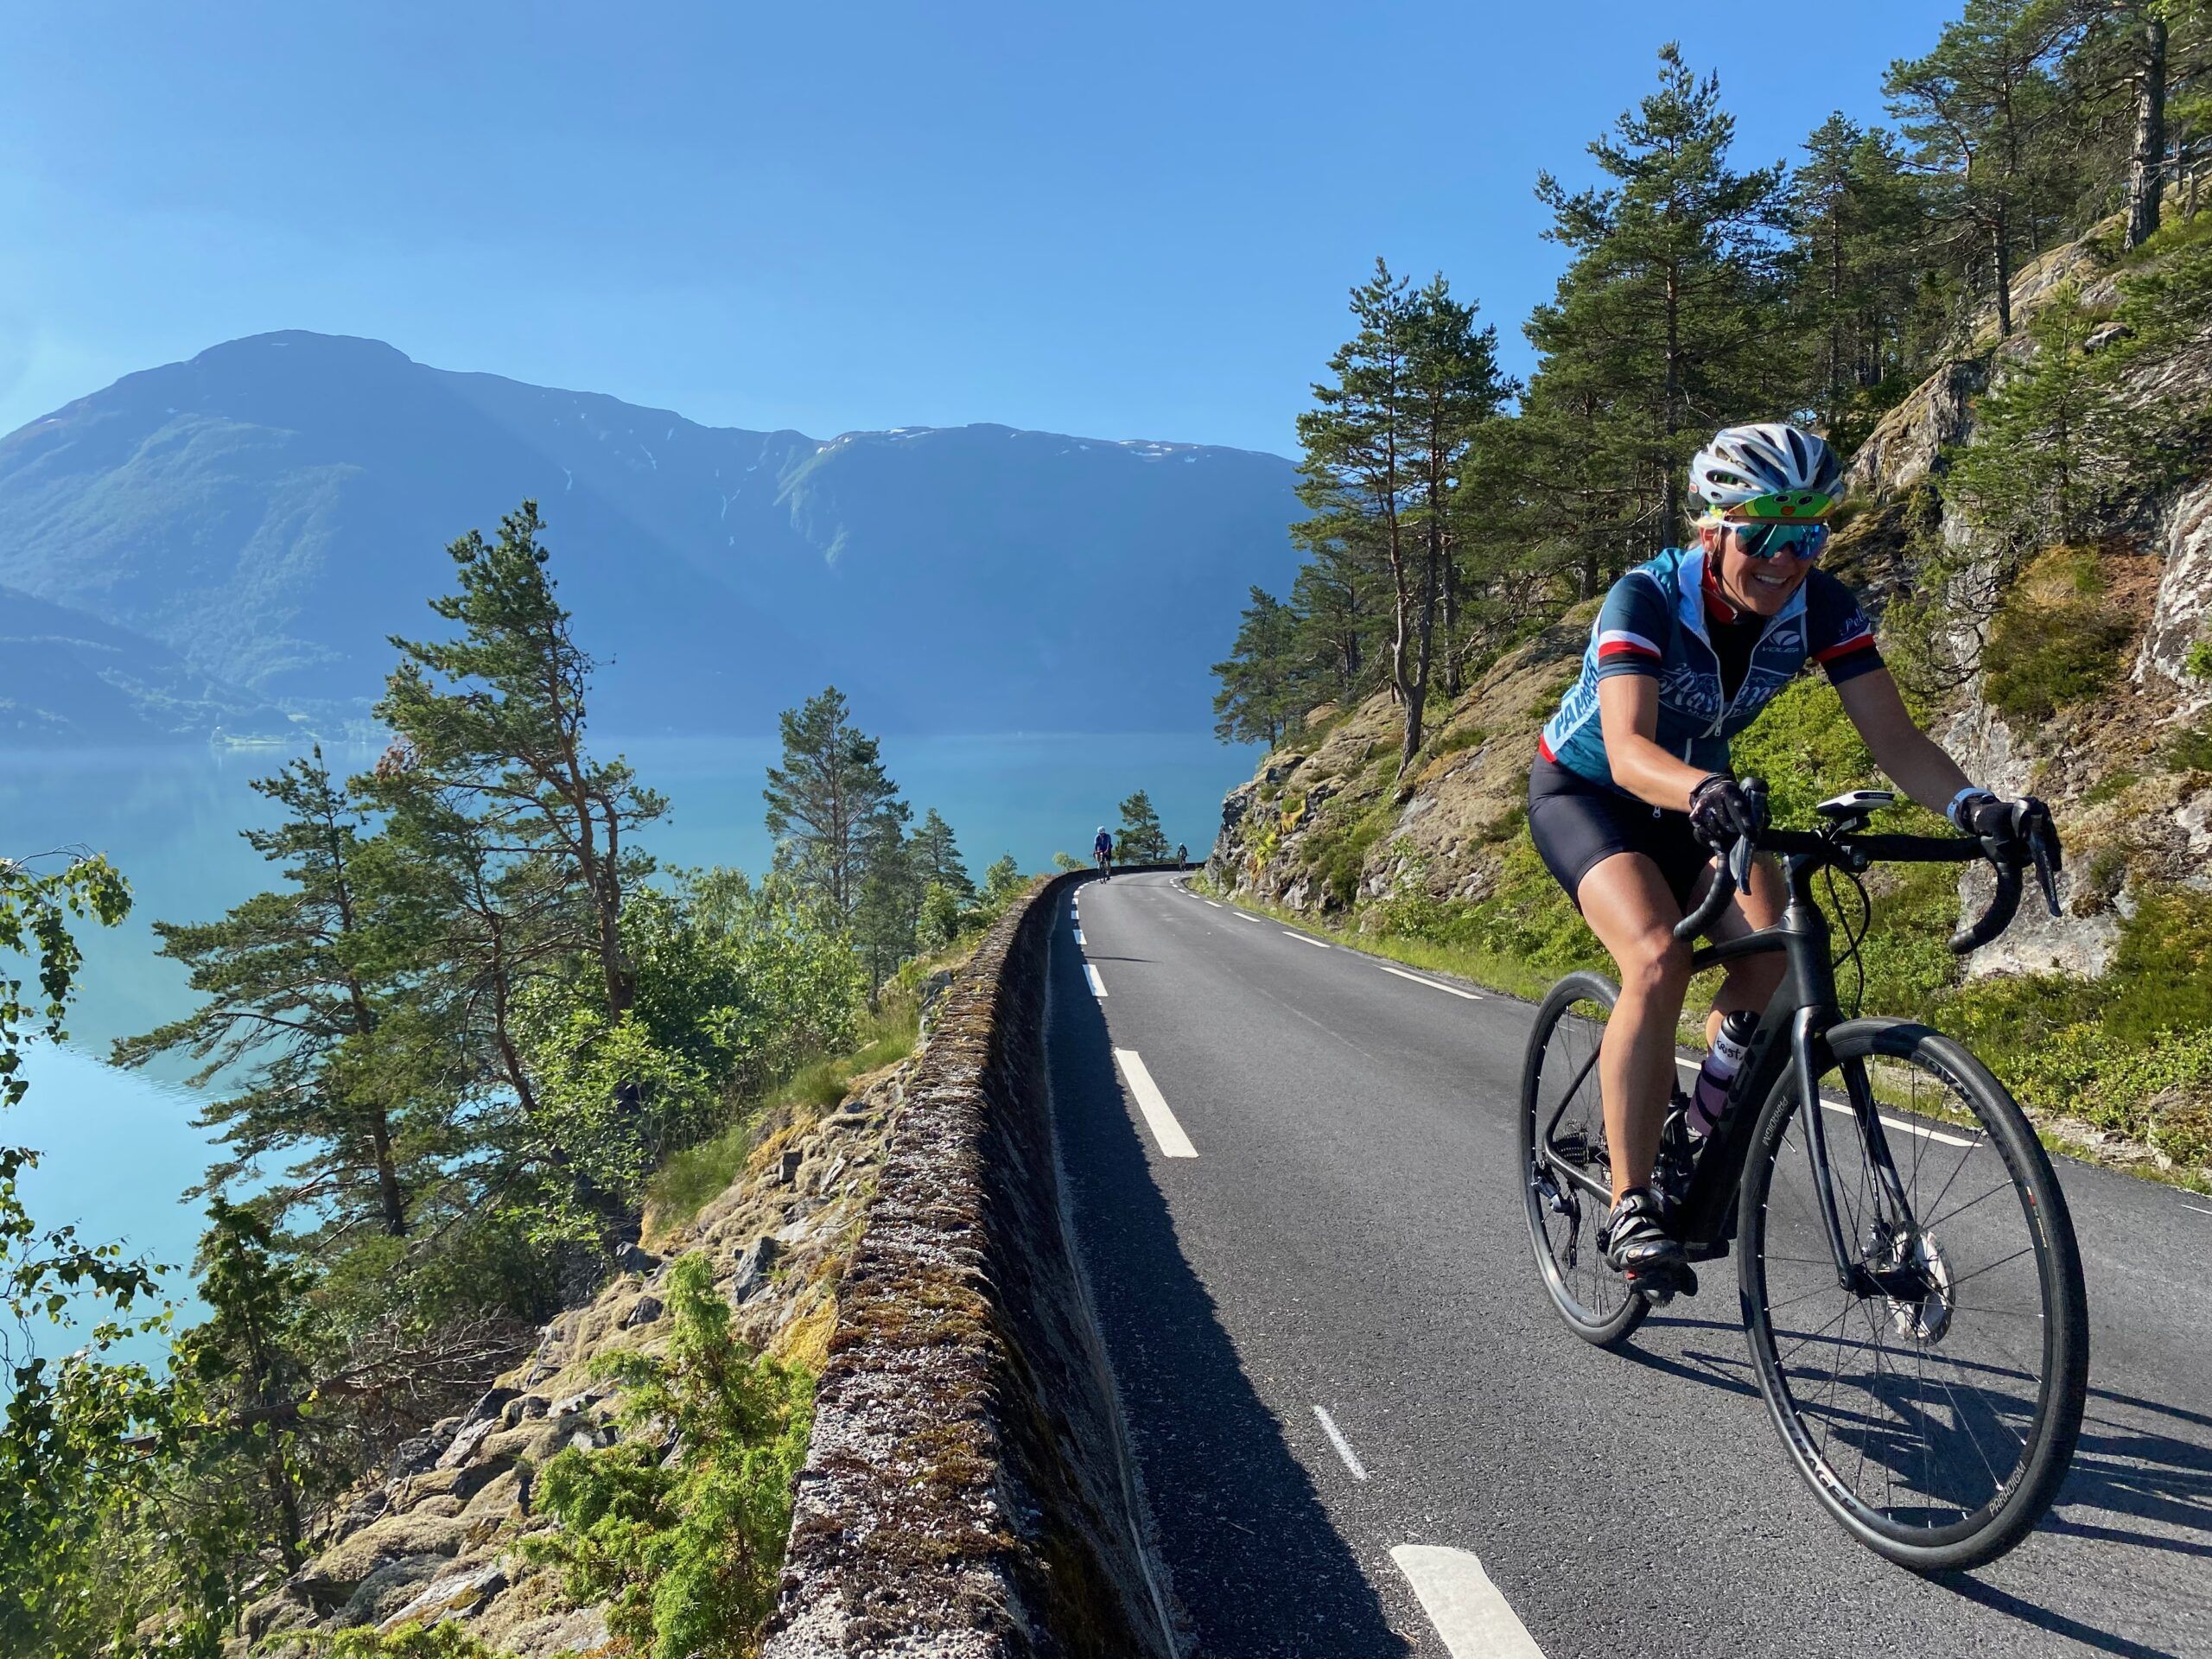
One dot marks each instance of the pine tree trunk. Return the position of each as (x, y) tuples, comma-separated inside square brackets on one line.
[(388, 1198), (2147, 174), (2002, 250), (1451, 623), (1670, 487)]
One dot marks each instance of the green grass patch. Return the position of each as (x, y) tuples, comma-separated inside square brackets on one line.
[(1452, 741), (687, 1181)]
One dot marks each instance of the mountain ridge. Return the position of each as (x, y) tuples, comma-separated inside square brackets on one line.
[(273, 508)]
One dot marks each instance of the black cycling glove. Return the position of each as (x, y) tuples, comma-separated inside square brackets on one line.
[(1721, 812), (1980, 813)]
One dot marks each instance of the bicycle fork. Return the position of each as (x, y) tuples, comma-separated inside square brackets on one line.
[(1891, 1209)]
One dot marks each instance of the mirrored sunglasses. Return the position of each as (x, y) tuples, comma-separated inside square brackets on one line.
[(1764, 541)]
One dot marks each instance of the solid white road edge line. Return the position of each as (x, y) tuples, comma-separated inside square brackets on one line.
[(1302, 939), (1174, 1143), (1898, 1123), (1343, 1446), (1448, 990), (1097, 985), (1469, 1613)]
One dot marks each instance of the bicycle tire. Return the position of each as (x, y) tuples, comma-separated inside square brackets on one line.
[(1596, 1304), (1888, 1408)]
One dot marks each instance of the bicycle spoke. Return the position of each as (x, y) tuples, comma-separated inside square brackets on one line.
[(1918, 1402)]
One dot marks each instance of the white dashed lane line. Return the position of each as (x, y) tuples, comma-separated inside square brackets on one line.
[(2197, 1209), (1165, 1131), (1097, 985), (1433, 985), (1343, 1446), (1469, 1613), (1215, 907), (1302, 939), (1241, 917), (1078, 936)]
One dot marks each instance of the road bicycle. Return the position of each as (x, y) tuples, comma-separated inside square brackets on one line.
[(1909, 1278)]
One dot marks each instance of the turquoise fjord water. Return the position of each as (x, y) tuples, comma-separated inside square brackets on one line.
[(119, 1148)]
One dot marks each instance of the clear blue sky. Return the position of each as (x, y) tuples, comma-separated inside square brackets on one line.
[(1135, 220)]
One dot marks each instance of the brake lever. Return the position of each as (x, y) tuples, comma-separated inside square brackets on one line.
[(2042, 836), (2046, 873)]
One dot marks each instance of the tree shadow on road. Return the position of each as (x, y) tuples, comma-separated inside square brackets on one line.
[(1258, 1569)]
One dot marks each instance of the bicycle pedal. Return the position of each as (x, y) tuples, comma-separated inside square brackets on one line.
[(1661, 1286)]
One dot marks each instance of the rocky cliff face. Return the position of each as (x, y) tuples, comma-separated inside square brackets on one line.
[(434, 1535)]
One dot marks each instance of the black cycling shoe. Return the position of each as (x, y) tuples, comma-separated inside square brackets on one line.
[(1638, 1247)]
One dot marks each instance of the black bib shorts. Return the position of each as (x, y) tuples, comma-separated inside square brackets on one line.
[(1577, 823)]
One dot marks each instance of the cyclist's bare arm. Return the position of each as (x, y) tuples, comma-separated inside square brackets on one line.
[(1917, 762), (1628, 713)]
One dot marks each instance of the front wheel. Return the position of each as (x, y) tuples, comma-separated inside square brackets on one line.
[(1564, 1167), (1930, 1392)]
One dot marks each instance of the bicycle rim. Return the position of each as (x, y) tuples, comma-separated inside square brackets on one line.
[(1932, 1406), (1560, 1080)]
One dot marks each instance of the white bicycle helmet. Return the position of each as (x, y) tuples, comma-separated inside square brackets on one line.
[(1745, 464)]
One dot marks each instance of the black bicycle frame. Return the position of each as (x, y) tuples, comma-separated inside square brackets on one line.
[(1791, 1033)]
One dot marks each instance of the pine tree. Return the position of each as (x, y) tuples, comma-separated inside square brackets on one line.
[(300, 981), (1855, 215), (494, 721), (1337, 599), (1261, 682), (1667, 317), (1140, 840), (1457, 391), (888, 912), (1976, 108), (1375, 439), (827, 803), (937, 857), (249, 1364)]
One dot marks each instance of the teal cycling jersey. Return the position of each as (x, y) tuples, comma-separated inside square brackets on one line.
[(1655, 622)]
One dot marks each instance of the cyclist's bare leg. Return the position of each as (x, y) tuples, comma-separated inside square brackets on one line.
[(1628, 905), (1750, 981)]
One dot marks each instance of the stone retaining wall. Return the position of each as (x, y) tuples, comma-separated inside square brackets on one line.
[(967, 1490)]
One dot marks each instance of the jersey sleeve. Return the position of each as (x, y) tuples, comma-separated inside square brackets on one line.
[(1838, 635), (1632, 627)]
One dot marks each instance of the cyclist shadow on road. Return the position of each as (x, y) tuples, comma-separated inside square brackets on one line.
[(2141, 1477), (1258, 1569)]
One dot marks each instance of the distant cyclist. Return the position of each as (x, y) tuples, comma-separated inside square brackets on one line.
[(1102, 853), (1631, 790), (1182, 853)]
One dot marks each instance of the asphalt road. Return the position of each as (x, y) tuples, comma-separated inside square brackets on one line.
[(1332, 1345)]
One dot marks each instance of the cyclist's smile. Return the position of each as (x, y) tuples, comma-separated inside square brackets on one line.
[(1762, 586)]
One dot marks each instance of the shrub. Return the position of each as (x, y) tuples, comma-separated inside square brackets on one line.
[(448, 1639), (2055, 641), (684, 1552)]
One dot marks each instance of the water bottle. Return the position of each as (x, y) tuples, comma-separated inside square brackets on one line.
[(1709, 1095)]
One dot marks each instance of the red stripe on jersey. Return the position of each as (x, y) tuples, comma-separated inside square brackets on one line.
[(1858, 642), (1544, 748), (1622, 648)]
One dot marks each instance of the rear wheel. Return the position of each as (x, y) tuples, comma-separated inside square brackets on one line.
[(1932, 1404), (1565, 1164)]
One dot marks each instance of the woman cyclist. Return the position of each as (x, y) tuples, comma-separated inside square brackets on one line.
[(1631, 792)]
